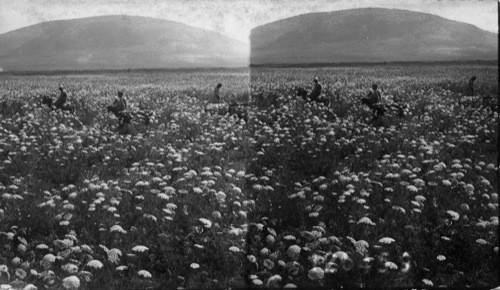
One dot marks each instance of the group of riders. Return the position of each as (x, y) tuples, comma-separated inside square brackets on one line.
[(118, 107), (373, 100)]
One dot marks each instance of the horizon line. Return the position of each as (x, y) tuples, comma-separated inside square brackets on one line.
[(267, 65)]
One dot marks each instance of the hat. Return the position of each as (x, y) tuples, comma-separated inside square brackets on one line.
[(316, 79), (61, 87)]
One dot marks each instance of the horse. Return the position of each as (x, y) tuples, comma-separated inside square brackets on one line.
[(127, 116), (46, 100), (301, 92), (234, 109), (377, 108), (239, 110), (380, 109)]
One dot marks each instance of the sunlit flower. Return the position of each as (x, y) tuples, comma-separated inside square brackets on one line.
[(234, 249), (485, 182), (206, 223), (482, 242), (171, 206), (386, 240), (48, 260), (268, 264), (420, 198), (391, 265), (70, 268), (194, 266), (316, 274), (96, 264), (366, 220), (42, 247), (453, 215), (30, 287), (71, 282), (469, 188), (118, 229), (427, 282), (412, 188), (144, 274), (273, 281), (293, 252), (140, 249)]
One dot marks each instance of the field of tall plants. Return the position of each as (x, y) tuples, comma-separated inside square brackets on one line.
[(296, 195)]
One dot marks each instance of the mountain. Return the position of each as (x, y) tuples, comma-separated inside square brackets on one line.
[(117, 42), (369, 35)]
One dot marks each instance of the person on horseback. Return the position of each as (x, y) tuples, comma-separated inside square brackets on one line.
[(120, 107), (470, 88), (374, 95), (214, 104), (374, 98), (216, 98), (61, 101), (316, 92)]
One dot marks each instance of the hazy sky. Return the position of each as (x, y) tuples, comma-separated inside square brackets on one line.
[(234, 18)]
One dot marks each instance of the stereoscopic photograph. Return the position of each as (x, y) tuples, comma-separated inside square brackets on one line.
[(195, 144)]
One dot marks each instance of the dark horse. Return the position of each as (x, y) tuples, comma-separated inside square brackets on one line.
[(126, 116), (301, 92), (379, 110), (46, 100), (238, 110)]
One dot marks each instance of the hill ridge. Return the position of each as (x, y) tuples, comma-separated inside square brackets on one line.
[(371, 8), (117, 42), (369, 35), (114, 16)]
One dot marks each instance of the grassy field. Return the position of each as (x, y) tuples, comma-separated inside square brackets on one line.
[(299, 195)]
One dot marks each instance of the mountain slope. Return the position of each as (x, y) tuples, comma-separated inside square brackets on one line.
[(369, 35), (117, 42)]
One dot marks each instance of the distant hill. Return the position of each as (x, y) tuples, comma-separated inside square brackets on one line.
[(369, 35), (117, 42)]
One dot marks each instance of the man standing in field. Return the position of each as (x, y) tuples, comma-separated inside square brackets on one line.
[(373, 101), (59, 103), (470, 88), (216, 97), (214, 104), (374, 95), (120, 103), (316, 92), (120, 107)]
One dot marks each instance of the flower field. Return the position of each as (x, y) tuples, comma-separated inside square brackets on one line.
[(300, 195)]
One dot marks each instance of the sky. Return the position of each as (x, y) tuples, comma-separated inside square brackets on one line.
[(233, 18)]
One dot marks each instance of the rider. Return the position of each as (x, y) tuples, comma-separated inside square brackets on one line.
[(120, 105), (316, 92), (470, 88), (59, 103), (374, 95), (374, 98), (216, 97)]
